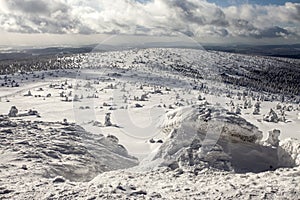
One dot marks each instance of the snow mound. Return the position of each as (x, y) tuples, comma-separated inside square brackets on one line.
[(51, 149), (207, 136)]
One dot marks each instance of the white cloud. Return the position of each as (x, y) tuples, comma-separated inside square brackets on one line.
[(193, 17)]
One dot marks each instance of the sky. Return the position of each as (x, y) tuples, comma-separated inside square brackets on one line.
[(62, 22)]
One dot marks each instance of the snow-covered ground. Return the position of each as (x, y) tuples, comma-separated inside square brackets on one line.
[(167, 112)]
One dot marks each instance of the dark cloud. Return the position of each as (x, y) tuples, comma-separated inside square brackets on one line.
[(273, 32), (246, 29), (241, 24), (192, 12), (188, 33), (28, 6), (187, 11), (223, 32)]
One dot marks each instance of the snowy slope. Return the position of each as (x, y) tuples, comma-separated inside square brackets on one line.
[(165, 123)]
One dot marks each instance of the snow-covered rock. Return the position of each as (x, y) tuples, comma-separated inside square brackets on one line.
[(210, 136), (205, 118)]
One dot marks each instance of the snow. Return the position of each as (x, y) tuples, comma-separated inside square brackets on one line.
[(292, 146), (50, 149), (160, 139), (167, 184)]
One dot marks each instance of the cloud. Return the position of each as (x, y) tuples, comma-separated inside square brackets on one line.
[(273, 32), (197, 18), (264, 21), (198, 12), (32, 6), (40, 16)]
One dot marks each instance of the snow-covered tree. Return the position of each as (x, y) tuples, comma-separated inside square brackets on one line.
[(13, 111), (107, 120)]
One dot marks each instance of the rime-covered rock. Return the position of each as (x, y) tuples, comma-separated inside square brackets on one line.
[(207, 135)]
